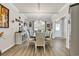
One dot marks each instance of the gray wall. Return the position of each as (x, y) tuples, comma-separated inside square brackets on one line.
[(74, 43)]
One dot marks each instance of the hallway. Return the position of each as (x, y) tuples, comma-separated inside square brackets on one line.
[(57, 50)]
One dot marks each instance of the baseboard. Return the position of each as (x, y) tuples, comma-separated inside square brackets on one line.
[(59, 38), (7, 48)]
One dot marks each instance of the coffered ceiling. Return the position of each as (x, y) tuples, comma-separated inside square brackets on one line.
[(41, 10)]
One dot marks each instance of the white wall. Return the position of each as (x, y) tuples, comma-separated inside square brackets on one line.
[(62, 13), (8, 39)]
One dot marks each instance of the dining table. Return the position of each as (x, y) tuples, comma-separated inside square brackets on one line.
[(33, 39)]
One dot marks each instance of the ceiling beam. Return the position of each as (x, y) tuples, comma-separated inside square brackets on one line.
[(40, 12)]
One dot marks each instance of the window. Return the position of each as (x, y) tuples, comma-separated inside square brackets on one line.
[(57, 27)]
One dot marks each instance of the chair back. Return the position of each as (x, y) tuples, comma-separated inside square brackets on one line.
[(40, 39)]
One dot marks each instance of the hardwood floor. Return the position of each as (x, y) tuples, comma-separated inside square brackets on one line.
[(58, 49)]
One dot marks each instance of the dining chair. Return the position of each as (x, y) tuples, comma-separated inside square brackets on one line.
[(40, 41), (49, 40)]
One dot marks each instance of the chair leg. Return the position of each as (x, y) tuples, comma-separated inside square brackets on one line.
[(28, 45), (44, 49), (35, 49), (0, 53)]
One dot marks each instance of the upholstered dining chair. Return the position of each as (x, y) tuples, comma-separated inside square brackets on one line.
[(40, 40), (49, 41)]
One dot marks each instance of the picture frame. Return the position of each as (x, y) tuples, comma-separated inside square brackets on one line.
[(4, 17), (48, 25), (30, 24)]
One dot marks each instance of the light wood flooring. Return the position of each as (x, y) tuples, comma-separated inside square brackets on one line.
[(58, 49)]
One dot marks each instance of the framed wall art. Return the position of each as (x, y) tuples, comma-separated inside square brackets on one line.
[(30, 24), (4, 17)]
